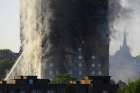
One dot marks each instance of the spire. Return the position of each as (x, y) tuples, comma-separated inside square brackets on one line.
[(125, 49), (125, 41)]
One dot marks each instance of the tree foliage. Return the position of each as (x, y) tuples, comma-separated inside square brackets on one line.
[(62, 79), (132, 87), (7, 59)]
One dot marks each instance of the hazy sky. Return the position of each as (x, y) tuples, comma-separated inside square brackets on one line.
[(9, 24), (129, 22)]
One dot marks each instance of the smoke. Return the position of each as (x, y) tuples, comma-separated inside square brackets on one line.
[(118, 21), (29, 63), (32, 37), (124, 18)]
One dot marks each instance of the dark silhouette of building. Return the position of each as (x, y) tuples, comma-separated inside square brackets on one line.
[(30, 84)]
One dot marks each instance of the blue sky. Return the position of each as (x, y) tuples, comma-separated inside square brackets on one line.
[(9, 25)]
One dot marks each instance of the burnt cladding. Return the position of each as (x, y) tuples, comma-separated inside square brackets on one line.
[(78, 35)]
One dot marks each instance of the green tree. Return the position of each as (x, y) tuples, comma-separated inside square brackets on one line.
[(62, 79), (132, 87), (7, 59)]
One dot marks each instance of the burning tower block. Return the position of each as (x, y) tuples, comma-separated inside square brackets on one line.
[(64, 37)]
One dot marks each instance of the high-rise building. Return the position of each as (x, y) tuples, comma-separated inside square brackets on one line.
[(64, 37)]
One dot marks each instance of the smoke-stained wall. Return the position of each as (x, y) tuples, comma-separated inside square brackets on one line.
[(77, 42)]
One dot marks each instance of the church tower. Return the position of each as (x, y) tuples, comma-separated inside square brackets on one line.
[(124, 49)]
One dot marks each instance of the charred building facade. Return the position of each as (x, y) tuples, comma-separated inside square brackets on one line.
[(78, 41)]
